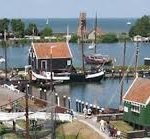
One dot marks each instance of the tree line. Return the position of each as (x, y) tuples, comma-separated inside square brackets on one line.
[(141, 27), (16, 27)]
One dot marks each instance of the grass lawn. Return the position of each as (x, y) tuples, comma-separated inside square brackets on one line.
[(10, 136), (76, 130), (21, 123), (122, 126)]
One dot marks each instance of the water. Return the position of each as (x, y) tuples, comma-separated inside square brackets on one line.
[(18, 54), (104, 94), (106, 24)]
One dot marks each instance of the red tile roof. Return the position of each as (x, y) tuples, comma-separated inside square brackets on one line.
[(59, 50), (139, 91)]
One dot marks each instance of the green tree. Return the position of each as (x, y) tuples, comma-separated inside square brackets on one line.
[(31, 29), (17, 27), (141, 27), (4, 25), (109, 38), (47, 31), (74, 38)]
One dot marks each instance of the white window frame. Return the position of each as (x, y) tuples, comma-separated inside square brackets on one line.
[(135, 107)]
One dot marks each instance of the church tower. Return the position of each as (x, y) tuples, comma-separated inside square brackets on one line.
[(82, 26)]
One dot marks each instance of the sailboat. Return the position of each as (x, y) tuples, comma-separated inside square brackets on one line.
[(92, 45), (47, 21), (73, 76), (2, 60), (86, 76), (97, 59), (128, 23)]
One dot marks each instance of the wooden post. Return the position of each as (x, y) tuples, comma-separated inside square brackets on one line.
[(79, 105), (45, 94), (76, 105), (14, 126), (69, 101), (64, 100), (82, 106), (40, 93), (56, 98)]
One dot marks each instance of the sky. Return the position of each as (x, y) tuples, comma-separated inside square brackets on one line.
[(72, 8)]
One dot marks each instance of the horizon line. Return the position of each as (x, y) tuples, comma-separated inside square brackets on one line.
[(68, 17)]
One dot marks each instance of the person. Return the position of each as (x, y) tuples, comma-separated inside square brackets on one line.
[(85, 111), (53, 88), (108, 128), (102, 125), (89, 112), (118, 134)]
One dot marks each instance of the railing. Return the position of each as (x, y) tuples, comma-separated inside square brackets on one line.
[(116, 116)]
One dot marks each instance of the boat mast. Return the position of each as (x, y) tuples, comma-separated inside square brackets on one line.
[(136, 59), (95, 29), (83, 35), (82, 45), (122, 82), (5, 54)]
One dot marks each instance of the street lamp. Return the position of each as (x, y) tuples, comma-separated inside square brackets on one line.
[(27, 114)]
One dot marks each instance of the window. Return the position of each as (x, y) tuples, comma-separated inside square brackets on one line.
[(44, 65), (135, 107)]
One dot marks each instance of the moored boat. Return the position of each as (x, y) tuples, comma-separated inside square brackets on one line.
[(98, 59), (2, 59), (70, 77)]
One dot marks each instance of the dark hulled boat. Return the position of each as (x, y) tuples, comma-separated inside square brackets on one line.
[(90, 77), (65, 76)]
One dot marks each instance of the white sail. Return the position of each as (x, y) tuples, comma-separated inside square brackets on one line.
[(2, 60), (92, 45), (47, 21)]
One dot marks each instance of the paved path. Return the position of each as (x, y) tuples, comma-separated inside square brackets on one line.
[(91, 122)]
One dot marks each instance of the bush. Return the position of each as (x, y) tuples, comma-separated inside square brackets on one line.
[(109, 38), (74, 38), (141, 27)]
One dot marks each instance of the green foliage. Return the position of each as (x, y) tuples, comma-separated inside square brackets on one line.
[(4, 25), (74, 38), (109, 38), (31, 29), (141, 27), (47, 31), (17, 27), (123, 36)]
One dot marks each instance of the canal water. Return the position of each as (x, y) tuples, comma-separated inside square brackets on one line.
[(103, 94), (18, 54), (107, 92)]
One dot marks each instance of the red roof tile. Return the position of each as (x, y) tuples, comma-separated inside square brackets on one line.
[(59, 50), (139, 91)]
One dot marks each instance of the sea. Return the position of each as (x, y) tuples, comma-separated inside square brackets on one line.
[(117, 25), (105, 93)]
